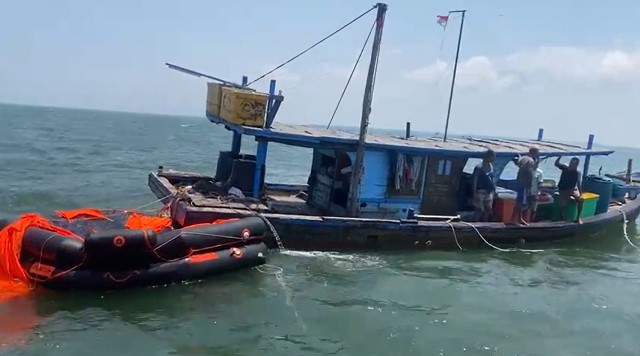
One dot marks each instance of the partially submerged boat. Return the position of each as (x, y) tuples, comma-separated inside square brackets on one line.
[(404, 193), (113, 249), (434, 215)]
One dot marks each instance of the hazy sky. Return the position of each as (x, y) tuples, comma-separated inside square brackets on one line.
[(570, 66)]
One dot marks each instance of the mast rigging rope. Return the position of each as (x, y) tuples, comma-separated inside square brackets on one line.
[(353, 70), (312, 46)]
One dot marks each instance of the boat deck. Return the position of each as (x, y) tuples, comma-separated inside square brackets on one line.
[(193, 199), (202, 194), (200, 191)]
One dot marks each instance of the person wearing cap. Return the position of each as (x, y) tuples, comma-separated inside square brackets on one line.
[(569, 187), (527, 166), (484, 187)]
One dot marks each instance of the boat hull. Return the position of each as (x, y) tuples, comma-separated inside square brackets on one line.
[(302, 232)]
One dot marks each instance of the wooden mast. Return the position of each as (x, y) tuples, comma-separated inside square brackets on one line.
[(455, 67), (353, 206)]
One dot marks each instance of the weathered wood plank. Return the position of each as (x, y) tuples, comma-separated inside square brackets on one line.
[(293, 133)]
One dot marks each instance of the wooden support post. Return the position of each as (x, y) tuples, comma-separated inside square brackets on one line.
[(407, 133), (236, 143), (270, 116), (353, 205), (455, 69), (587, 160), (261, 151), (261, 159), (629, 170), (540, 134)]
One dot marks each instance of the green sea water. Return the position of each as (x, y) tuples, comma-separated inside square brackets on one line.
[(574, 298)]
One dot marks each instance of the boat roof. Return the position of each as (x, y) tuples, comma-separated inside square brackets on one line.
[(316, 137)]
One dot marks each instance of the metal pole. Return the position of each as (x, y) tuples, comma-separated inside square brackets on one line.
[(455, 68), (587, 160), (353, 206)]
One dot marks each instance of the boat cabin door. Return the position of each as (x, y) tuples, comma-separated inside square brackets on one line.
[(442, 185)]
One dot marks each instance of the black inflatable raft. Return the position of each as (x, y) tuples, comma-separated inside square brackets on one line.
[(117, 250)]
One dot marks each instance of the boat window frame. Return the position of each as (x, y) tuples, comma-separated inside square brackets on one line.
[(405, 191)]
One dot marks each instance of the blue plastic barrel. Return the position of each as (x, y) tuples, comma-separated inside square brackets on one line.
[(602, 186), (619, 189)]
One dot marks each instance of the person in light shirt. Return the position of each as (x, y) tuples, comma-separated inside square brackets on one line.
[(532, 198), (526, 167)]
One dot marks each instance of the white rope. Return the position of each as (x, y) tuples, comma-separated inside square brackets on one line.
[(624, 229), (155, 201), (270, 269), (278, 273), (496, 247), (455, 236)]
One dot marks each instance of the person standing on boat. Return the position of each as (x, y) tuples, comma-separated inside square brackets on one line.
[(484, 187), (527, 166), (532, 199), (569, 186)]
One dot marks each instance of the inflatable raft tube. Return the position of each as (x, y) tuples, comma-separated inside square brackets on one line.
[(92, 249), (195, 267)]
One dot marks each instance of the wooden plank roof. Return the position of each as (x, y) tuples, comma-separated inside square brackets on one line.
[(313, 136)]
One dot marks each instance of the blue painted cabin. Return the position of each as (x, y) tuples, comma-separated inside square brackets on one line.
[(401, 174), (380, 198)]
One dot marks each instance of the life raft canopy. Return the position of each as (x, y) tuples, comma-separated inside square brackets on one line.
[(103, 249)]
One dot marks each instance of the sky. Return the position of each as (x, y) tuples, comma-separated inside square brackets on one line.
[(568, 67)]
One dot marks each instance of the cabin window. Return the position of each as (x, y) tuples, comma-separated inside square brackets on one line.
[(444, 167), (342, 179), (327, 165), (407, 174), (471, 165)]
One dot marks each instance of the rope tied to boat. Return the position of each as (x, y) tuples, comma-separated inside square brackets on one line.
[(624, 229), (273, 230), (455, 236)]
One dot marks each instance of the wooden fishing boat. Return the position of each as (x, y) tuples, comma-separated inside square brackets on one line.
[(405, 193), (629, 177), (312, 216)]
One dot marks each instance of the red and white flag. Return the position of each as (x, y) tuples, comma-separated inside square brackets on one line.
[(442, 20)]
